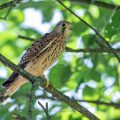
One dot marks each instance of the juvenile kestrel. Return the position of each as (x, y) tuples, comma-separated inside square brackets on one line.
[(39, 57)]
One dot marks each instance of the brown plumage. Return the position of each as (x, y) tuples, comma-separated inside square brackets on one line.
[(39, 57)]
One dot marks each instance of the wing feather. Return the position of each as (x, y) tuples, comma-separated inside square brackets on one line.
[(37, 47)]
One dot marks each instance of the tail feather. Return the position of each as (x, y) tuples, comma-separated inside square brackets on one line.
[(12, 88), (13, 77), (3, 97)]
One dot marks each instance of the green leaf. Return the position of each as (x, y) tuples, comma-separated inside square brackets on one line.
[(88, 91), (59, 74)]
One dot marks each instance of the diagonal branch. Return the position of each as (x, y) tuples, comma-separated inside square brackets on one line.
[(102, 42), (55, 93), (97, 3)]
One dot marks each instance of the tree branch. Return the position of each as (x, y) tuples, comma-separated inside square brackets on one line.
[(10, 4), (26, 38), (97, 3), (102, 42), (8, 12), (93, 50), (31, 101), (85, 50), (55, 93), (116, 105), (45, 110), (112, 104)]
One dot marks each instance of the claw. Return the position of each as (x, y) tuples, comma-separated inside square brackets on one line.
[(47, 84)]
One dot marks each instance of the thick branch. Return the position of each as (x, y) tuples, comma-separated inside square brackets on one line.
[(102, 42), (97, 3), (55, 93)]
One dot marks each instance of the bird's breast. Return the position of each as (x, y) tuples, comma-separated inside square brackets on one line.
[(44, 60)]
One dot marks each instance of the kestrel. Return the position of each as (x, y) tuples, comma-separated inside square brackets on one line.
[(39, 57)]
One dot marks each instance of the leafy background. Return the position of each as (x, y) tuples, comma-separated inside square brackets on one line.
[(82, 76)]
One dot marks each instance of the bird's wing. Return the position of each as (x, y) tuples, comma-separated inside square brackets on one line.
[(37, 47)]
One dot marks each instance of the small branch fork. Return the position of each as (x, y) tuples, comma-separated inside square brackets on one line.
[(55, 93), (101, 41), (45, 110)]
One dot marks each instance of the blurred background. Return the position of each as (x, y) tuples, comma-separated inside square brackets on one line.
[(89, 78)]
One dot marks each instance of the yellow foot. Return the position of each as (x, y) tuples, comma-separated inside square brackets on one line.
[(47, 84)]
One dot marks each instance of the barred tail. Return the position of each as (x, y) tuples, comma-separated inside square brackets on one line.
[(3, 97), (12, 88)]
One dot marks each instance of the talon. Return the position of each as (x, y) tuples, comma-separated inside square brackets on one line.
[(48, 85)]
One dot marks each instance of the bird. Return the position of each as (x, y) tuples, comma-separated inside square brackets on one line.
[(38, 57)]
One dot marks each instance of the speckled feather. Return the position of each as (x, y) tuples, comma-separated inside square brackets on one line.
[(39, 57), (35, 52)]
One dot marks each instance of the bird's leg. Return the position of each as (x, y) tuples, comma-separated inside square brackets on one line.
[(48, 84)]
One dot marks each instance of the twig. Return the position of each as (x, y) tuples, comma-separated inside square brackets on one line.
[(12, 3), (112, 104), (55, 93), (8, 12), (93, 50), (85, 50), (97, 3), (9, 5), (45, 110), (26, 38), (116, 105), (102, 39)]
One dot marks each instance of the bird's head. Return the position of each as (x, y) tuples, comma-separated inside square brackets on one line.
[(63, 27)]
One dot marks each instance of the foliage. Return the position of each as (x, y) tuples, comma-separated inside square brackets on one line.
[(89, 76)]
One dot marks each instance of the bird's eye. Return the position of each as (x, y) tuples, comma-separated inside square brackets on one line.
[(63, 25)]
